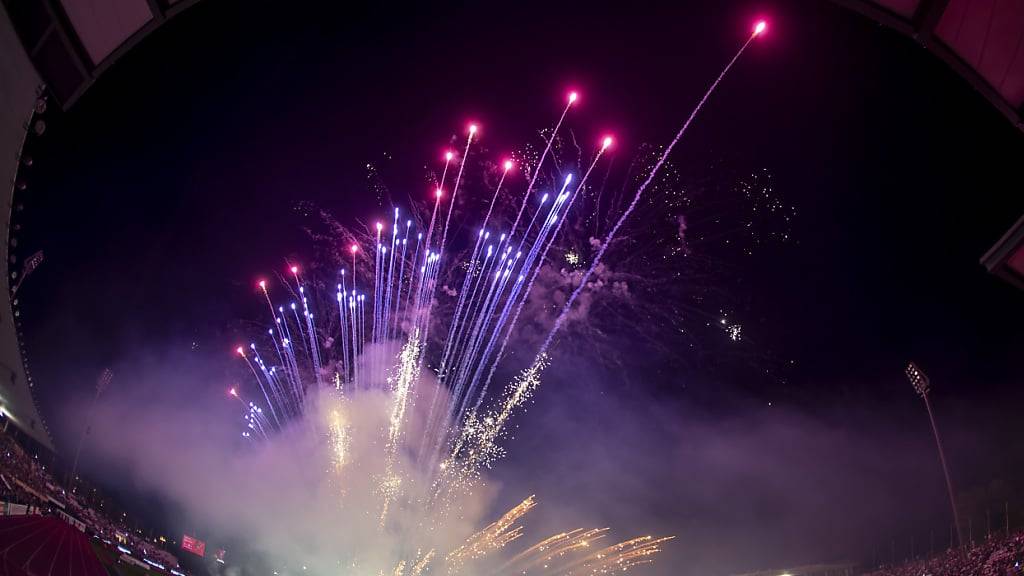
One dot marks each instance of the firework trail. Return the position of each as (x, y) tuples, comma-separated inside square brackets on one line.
[(377, 355), (758, 29)]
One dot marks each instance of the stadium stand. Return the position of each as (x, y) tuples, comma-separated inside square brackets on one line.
[(997, 556), (38, 517)]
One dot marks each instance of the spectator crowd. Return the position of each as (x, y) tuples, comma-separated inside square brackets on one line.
[(25, 481), (997, 556)]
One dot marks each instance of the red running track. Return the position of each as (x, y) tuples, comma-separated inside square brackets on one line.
[(44, 546)]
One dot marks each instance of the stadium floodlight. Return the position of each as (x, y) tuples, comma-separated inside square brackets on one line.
[(922, 385), (102, 383), (918, 379)]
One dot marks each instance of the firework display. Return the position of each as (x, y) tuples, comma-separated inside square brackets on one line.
[(411, 427)]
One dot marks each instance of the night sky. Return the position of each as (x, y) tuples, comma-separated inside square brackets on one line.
[(172, 185)]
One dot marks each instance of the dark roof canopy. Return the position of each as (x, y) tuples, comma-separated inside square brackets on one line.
[(71, 42), (1006, 258), (983, 40)]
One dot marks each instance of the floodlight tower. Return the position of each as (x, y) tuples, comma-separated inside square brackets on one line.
[(101, 384), (919, 380)]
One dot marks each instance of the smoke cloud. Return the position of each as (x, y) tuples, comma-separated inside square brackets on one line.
[(289, 497), (754, 488)]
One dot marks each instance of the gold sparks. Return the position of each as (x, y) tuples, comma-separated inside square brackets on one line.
[(553, 548), (477, 445), (493, 537), (618, 558), (563, 554), (401, 382), (578, 552), (422, 563), (572, 553), (340, 436)]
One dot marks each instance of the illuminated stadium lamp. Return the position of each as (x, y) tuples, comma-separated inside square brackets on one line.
[(508, 165), (922, 385), (573, 96), (918, 379), (448, 156), (759, 28)]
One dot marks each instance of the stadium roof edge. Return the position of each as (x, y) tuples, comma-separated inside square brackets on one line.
[(18, 97), (977, 57), (1006, 258), (71, 43)]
